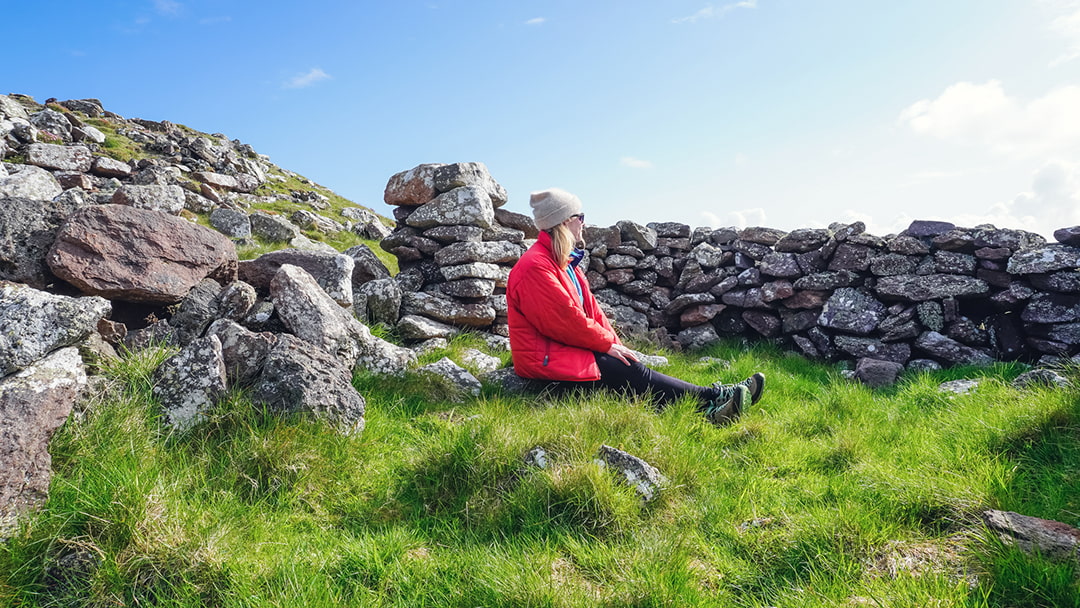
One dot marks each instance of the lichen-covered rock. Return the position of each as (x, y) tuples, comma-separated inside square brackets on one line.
[(916, 288), (197, 310), (230, 222), (872, 348), (28, 181), (455, 383), (35, 323), (646, 480), (1047, 258), (298, 377), (190, 383), (34, 403), (1068, 236), (852, 310), (272, 227), (698, 337), (27, 230), (1041, 377), (366, 265), (447, 310), (312, 316), (457, 175), (413, 328), (465, 206), (242, 350), (59, 158), (166, 199), (1052, 308), (489, 252), (378, 301)]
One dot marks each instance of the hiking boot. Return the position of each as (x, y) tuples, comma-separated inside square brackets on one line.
[(755, 384), (728, 403)]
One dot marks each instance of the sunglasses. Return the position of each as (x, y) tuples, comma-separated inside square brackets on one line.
[(580, 216)]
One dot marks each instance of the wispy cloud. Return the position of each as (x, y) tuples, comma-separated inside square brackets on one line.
[(536, 21), (635, 163), (215, 20), (307, 79), (1068, 27), (715, 12), (167, 7)]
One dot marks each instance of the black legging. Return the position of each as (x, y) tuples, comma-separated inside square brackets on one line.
[(640, 380)]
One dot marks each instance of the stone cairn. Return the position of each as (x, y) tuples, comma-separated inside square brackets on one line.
[(455, 246)]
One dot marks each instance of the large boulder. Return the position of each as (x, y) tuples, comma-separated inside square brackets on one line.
[(59, 158), (33, 404), (138, 255), (35, 323), (332, 271), (413, 187), (167, 199), (28, 181), (299, 377), (312, 316), (27, 230), (190, 383)]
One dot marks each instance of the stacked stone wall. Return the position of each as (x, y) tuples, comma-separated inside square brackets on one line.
[(935, 294)]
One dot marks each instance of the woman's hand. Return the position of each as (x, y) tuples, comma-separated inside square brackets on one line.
[(621, 353)]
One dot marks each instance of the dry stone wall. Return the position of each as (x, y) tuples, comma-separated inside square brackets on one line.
[(935, 294)]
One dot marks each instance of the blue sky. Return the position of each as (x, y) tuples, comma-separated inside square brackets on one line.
[(780, 113)]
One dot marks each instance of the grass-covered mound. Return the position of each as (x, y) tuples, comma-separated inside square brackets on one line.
[(826, 493)]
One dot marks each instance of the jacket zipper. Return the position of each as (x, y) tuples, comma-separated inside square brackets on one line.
[(547, 352)]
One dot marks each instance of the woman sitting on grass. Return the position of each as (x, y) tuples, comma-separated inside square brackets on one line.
[(559, 333)]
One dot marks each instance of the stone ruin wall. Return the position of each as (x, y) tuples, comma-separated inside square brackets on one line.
[(935, 294)]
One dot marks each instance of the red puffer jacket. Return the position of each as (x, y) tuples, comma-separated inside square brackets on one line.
[(552, 335)]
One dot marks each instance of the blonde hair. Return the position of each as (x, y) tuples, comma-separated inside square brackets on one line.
[(562, 243)]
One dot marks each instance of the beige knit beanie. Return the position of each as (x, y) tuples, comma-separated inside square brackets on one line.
[(553, 206)]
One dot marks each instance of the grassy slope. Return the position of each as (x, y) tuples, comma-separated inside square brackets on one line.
[(811, 500)]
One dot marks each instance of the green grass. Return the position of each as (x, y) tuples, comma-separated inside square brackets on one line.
[(825, 494)]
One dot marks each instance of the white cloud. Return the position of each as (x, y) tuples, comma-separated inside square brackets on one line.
[(167, 7), (712, 12), (635, 163), (536, 21), (215, 20), (301, 81), (983, 114)]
